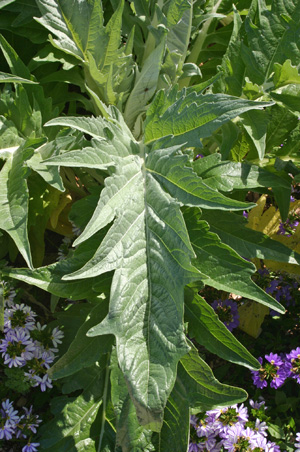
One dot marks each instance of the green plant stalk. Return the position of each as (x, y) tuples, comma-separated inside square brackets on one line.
[(193, 56), (104, 402)]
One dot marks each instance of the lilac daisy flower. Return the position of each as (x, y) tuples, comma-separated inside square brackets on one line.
[(235, 438), (44, 382), (30, 447), (31, 421), (19, 316), (256, 405), (193, 447), (7, 430), (8, 413), (16, 348), (227, 311), (297, 443), (273, 369), (272, 447), (261, 443), (293, 364), (57, 336)]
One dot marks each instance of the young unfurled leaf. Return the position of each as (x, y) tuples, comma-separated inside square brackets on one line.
[(189, 117)]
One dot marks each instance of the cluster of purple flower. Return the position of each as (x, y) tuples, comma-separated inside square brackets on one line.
[(231, 429), (288, 228), (227, 311), (282, 287), (13, 425), (277, 369), (29, 345)]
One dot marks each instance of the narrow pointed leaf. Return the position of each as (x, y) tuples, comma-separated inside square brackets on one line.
[(221, 267), (169, 168), (204, 325), (14, 201), (84, 351), (248, 243), (145, 85), (9, 78), (192, 117), (278, 42), (49, 278), (175, 432), (130, 434), (77, 25), (203, 390), (76, 423)]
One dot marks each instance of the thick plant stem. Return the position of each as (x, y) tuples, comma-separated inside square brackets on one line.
[(104, 402), (193, 56)]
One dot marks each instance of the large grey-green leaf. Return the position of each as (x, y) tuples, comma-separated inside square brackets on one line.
[(192, 117), (9, 136), (69, 22), (179, 22), (77, 421), (149, 249), (205, 326), (183, 184), (203, 390), (84, 351), (233, 68), (221, 267), (14, 201), (174, 435), (130, 435), (49, 174), (272, 38), (227, 176), (196, 388), (49, 278), (146, 245), (255, 123), (145, 85), (248, 243)]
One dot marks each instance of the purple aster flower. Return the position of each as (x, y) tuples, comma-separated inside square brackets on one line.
[(30, 447), (272, 286), (193, 447), (293, 364), (57, 336), (227, 311), (7, 430), (257, 405), (29, 420), (199, 156), (194, 420), (245, 214), (260, 427), (19, 316), (206, 442), (44, 382), (297, 443), (273, 369), (261, 443), (8, 413), (272, 447), (16, 348), (235, 438)]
